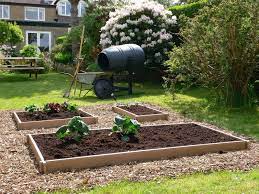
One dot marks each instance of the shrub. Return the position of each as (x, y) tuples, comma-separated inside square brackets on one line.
[(189, 10), (30, 51), (219, 51), (61, 39), (63, 57), (93, 67), (145, 23), (62, 51), (45, 62), (8, 50)]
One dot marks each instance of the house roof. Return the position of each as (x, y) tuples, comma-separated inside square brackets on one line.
[(31, 2)]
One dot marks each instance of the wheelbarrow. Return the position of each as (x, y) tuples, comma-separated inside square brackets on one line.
[(100, 82)]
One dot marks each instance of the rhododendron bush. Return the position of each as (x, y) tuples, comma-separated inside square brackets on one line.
[(145, 23)]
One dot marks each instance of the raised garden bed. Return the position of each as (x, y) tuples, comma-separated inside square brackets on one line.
[(152, 143), (39, 119), (140, 112)]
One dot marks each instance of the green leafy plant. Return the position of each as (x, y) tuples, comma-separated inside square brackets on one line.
[(75, 130), (63, 57), (10, 33), (126, 127), (29, 51), (31, 108), (70, 107), (189, 9), (219, 51)]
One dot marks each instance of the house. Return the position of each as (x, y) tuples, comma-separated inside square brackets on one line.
[(42, 21)]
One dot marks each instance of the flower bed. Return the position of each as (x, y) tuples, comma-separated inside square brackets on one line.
[(140, 112), (52, 115), (100, 148)]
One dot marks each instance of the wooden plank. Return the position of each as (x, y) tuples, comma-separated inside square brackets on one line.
[(37, 153), (142, 118), (21, 68), (19, 58), (142, 155), (124, 112), (50, 123)]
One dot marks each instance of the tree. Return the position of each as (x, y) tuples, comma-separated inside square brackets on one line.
[(10, 33), (4, 32), (74, 11), (16, 35), (220, 51)]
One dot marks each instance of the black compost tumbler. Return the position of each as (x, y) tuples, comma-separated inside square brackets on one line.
[(127, 57)]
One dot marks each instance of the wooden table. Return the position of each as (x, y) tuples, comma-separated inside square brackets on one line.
[(24, 63)]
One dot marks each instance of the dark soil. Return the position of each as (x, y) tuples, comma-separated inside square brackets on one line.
[(139, 110), (39, 115), (99, 141)]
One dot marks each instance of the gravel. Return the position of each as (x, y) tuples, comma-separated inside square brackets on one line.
[(19, 173)]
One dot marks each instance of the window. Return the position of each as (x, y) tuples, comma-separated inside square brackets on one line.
[(81, 8), (64, 8), (4, 12), (41, 39), (35, 13)]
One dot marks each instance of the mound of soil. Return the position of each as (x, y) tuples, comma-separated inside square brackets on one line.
[(139, 110), (150, 137), (39, 115)]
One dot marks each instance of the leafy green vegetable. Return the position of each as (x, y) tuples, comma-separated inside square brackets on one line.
[(76, 130), (126, 127), (70, 107), (31, 108)]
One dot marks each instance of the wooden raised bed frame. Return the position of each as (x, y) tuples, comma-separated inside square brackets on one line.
[(142, 118), (46, 166), (50, 123)]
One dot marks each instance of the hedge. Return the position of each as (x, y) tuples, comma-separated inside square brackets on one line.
[(189, 10)]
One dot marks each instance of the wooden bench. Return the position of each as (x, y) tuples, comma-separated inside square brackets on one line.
[(31, 67)]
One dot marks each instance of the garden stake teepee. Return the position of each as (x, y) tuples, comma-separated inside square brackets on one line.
[(79, 62)]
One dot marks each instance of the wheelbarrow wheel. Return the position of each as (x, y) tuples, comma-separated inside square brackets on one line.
[(103, 88)]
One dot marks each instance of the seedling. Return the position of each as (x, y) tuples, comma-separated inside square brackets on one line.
[(76, 129), (31, 108), (70, 107), (126, 127), (52, 108)]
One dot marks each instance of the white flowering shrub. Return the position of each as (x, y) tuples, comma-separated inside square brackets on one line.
[(145, 23)]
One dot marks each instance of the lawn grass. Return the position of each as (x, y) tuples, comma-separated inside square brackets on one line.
[(218, 182), (17, 91)]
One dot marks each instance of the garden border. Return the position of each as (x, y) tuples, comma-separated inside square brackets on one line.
[(142, 118), (28, 125), (94, 161)]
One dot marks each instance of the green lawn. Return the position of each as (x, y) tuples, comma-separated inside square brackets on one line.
[(17, 91), (218, 182)]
